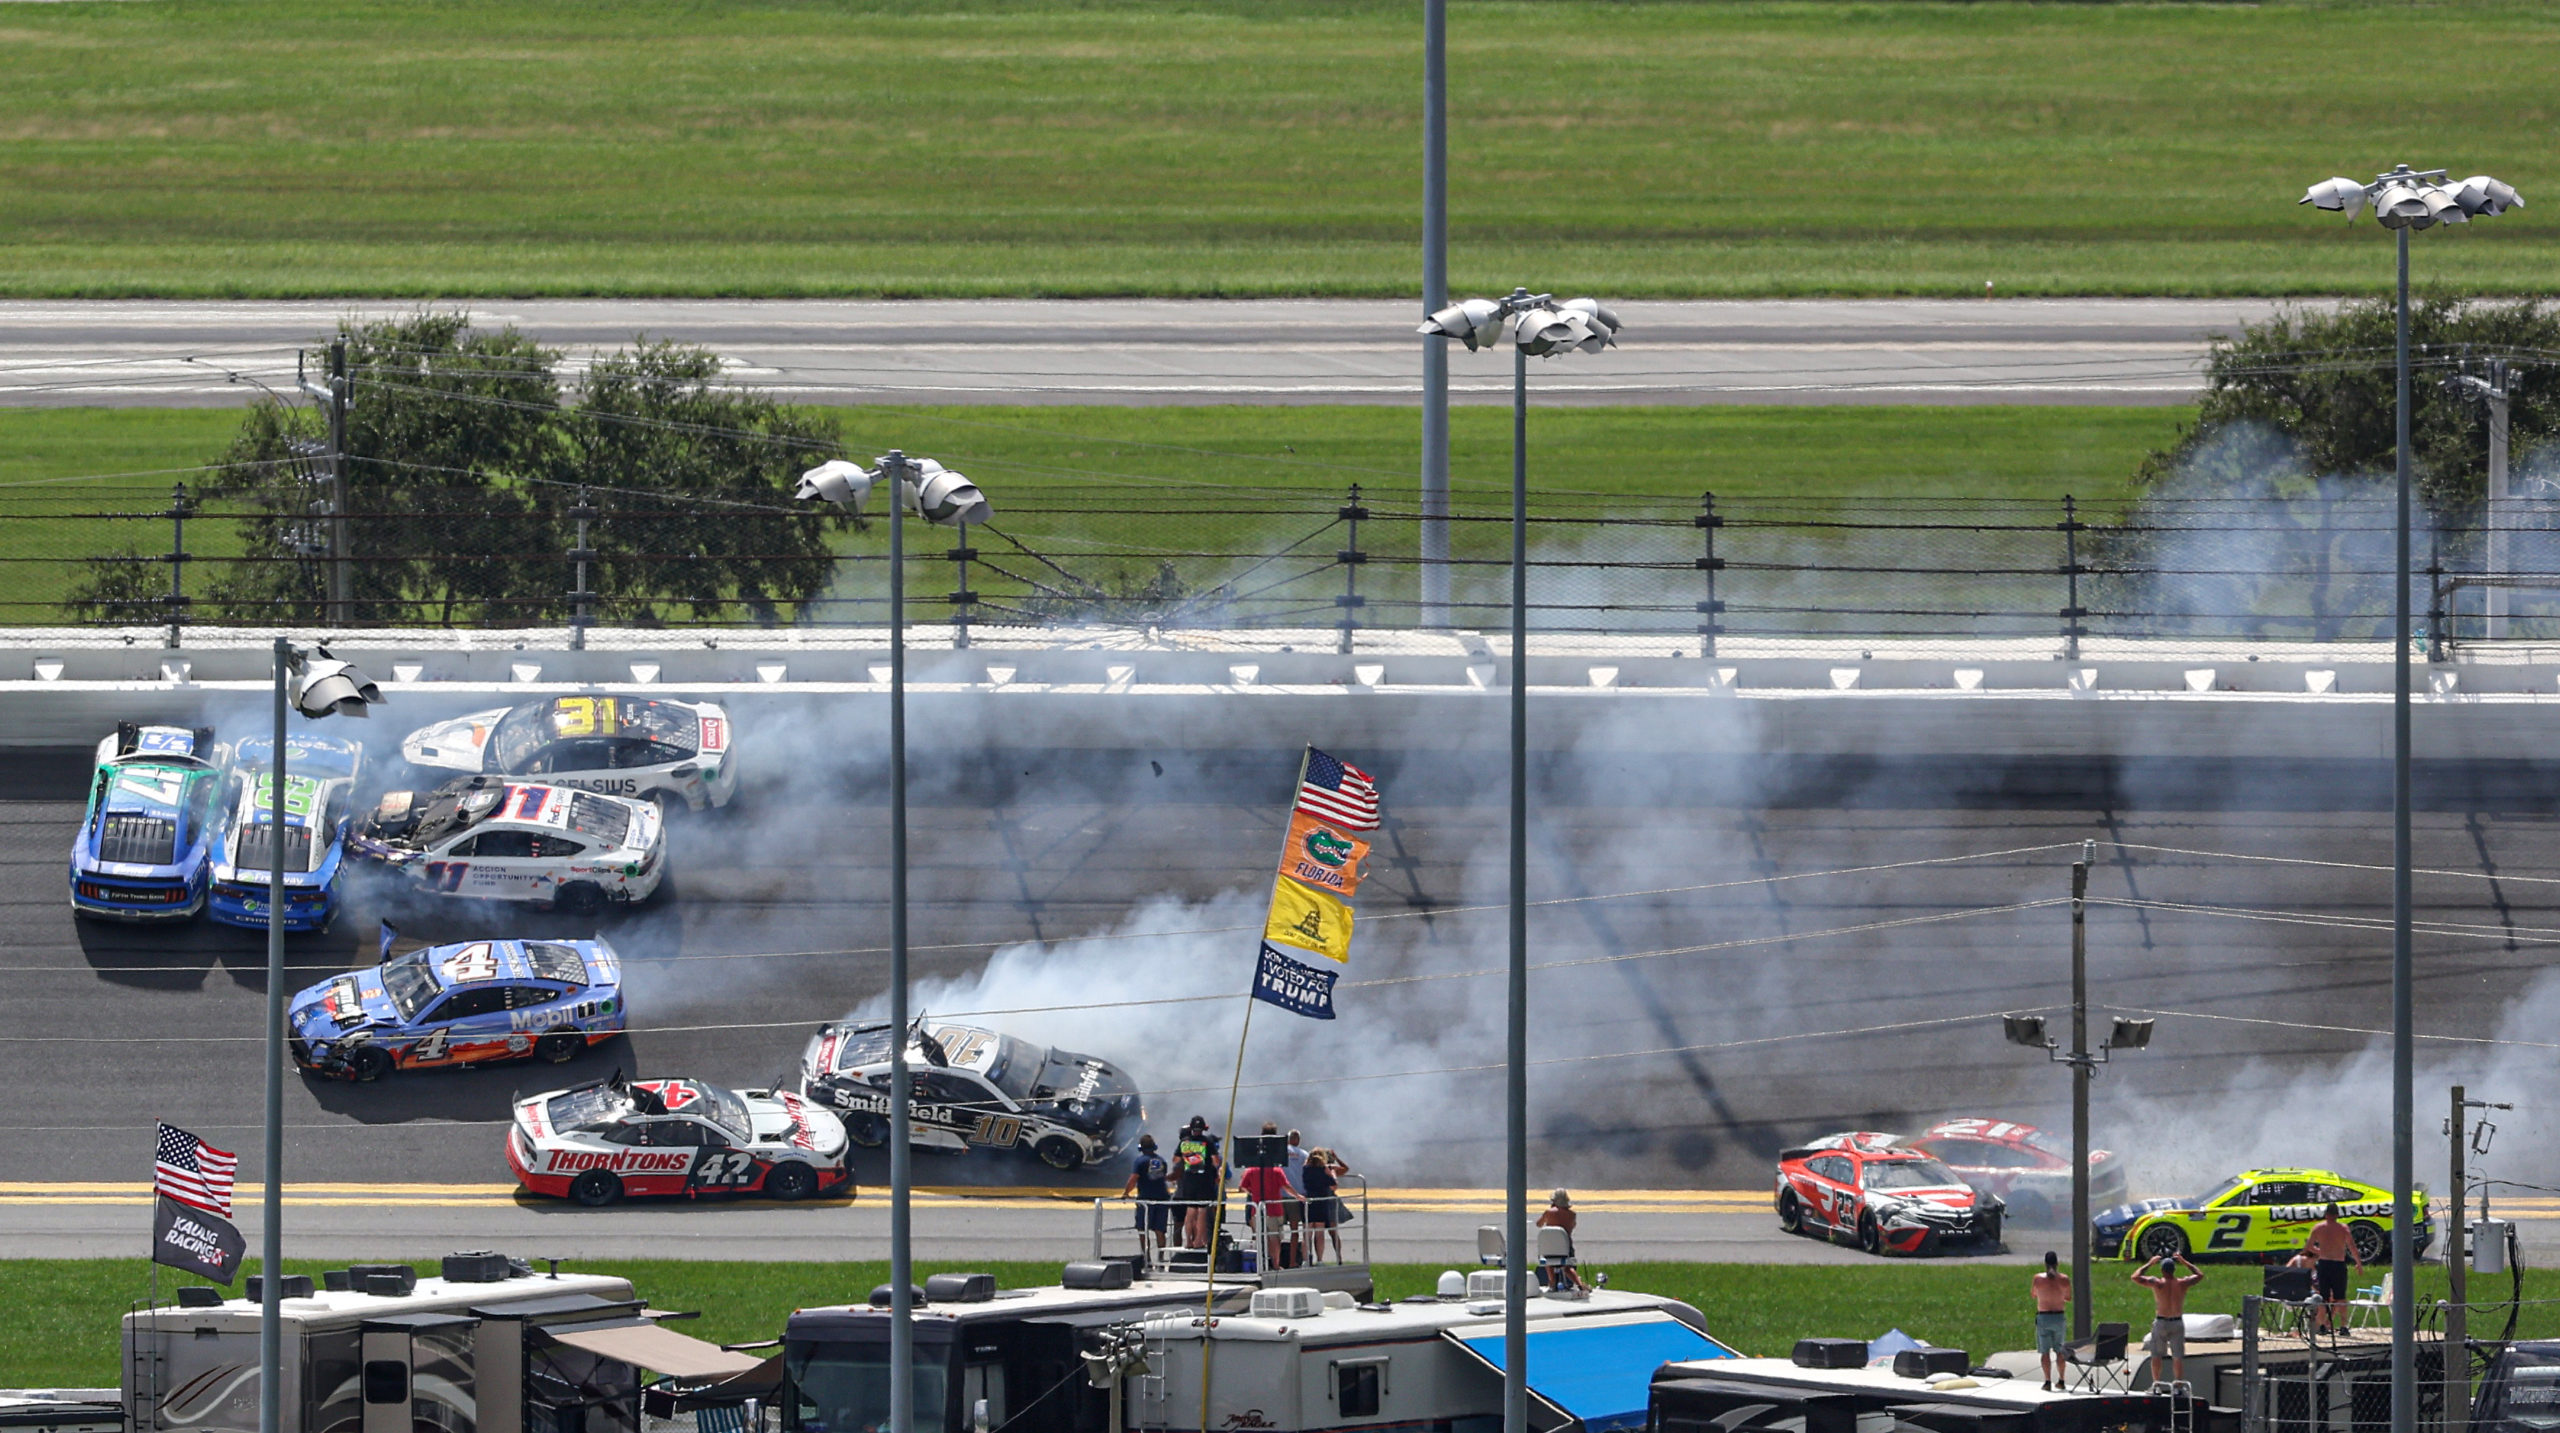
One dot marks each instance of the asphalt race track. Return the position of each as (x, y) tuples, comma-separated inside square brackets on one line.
[(1160, 351), (1732, 959)]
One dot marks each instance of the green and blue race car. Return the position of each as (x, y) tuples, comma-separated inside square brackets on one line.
[(2257, 1216)]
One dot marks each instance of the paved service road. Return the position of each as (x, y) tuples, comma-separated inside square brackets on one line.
[(1723, 968), (2113, 351)]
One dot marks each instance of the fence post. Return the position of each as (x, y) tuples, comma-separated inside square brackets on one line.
[(580, 615), (177, 598), (1351, 557), (961, 597), (2435, 601), (2072, 611), (2252, 1399), (1711, 609)]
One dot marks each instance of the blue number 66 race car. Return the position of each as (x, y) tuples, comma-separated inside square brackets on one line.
[(454, 1005)]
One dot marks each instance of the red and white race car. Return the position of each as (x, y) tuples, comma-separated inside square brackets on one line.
[(1887, 1200), (2028, 1168), (596, 1143)]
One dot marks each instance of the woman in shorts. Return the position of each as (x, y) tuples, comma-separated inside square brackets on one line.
[(1322, 1177)]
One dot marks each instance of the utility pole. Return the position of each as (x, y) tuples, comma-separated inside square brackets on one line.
[(2457, 1269), (2081, 1069), (1434, 543), (2495, 390), (340, 608)]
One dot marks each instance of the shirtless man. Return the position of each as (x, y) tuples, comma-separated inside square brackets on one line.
[(2332, 1244), (2053, 1300), (2169, 1308)]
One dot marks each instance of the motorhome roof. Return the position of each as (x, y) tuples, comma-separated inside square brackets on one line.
[(1426, 1317), (1037, 1302), (1785, 1373), (328, 1307)]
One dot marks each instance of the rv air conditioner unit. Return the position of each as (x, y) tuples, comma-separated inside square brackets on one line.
[(1287, 1303)]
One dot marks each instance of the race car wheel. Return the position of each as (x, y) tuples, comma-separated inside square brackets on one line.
[(582, 899), (558, 1048), (596, 1188), (368, 1063), (1870, 1238), (1060, 1153), (2161, 1241), (2372, 1244), (867, 1130), (1990, 1230), (791, 1181), (1790, 1212)]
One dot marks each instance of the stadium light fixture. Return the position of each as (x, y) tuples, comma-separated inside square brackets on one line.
[(316, 685), (1534, 325), (944, 498), (2403, 200)]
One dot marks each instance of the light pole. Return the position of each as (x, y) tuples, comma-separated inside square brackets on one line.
[(1533, 324), (939, 496), (1434, 544), (2406, 199), (2496, 389), (2028, 1030), (327, 686)]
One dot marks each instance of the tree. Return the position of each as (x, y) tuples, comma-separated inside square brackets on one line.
[(464, 466)]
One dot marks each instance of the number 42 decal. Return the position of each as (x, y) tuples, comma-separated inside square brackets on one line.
[(725, 1167)]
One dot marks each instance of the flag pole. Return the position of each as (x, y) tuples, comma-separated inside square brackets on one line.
[(1226, 1150)]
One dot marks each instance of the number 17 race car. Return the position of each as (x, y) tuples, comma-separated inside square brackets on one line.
[(596, 1143)]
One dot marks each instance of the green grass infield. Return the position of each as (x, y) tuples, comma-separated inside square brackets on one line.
[(1230, 147), (64, 1334)]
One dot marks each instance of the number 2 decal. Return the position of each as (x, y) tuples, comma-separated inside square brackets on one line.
[(2228, 1229)]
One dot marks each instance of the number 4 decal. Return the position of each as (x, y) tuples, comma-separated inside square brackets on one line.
[(431, 1047), (2228, 1230)]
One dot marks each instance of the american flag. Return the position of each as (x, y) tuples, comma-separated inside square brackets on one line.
[(1334, 790), (193, 1172)]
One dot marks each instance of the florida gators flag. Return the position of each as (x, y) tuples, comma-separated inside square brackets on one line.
[(1309, 919), (1322, 854)]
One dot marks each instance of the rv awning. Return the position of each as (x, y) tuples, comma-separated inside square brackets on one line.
[(660, 1350), (1595, 1371)]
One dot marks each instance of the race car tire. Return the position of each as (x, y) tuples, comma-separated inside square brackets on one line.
[(581, 899), (1790, 1212), (791, 1181), (1989, 1228), (558, 1048), (368, 1063), (2161, 1241), (596, 1188), (1870, 1238), (867, 1130), (1060, 1153), (2373, 1245)]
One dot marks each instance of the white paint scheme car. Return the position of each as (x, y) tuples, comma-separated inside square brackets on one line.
[(597, 1143), (493, 839), (647, 748)]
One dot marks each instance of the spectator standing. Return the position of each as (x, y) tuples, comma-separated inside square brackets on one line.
[(1322, 1176), (1297, 1165), (2332, 1244), (1147, 1183), (2169, 1314), (1200, 1180), (2053, 1337), (1267, 1187)]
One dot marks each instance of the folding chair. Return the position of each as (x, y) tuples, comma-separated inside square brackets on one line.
[(2289, 1290), (2098, 1357), (1555, 1254), (1489, 1245)]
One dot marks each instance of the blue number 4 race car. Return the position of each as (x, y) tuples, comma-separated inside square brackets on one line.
[(454, 1005), (319, 779), (141, 852)]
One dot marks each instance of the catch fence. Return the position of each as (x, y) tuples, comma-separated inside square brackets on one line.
[(1695, 571)]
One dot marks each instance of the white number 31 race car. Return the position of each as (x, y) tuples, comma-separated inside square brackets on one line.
[(668, 752)]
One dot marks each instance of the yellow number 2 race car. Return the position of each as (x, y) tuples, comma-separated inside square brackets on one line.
[(2258, 1216)]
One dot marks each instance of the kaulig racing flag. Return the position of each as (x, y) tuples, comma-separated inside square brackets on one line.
[(188, 1238)]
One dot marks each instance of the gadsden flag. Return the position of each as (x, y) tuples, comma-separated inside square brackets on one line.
[(1322, 854), (1309, 919)]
